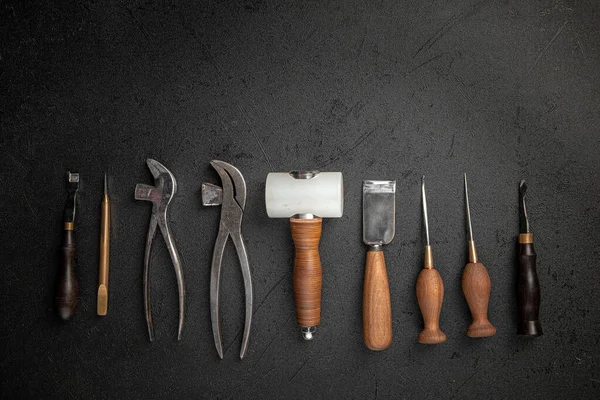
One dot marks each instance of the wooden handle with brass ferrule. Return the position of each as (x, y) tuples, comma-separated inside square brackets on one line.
[(308, 277), (103, 263), (476, 286), (377, 307), (430, 295), (67, 287), (529, 289)]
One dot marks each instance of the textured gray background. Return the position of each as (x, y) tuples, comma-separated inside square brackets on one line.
[(389, 90)]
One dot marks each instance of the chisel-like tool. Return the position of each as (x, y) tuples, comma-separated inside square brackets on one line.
[(529, 284), (430, 290), (67, 288), (378, 229), (104, 253), (476, 286)]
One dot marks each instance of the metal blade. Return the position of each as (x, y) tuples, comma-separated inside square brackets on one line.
[(523, 220), (379, 212)]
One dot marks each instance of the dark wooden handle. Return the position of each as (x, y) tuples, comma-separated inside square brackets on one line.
[(308, 277), (529, 292), (430, 295), (476, 286), (377, 306), (67, 288)]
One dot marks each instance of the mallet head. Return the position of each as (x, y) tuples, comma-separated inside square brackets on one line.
[(296, 193)]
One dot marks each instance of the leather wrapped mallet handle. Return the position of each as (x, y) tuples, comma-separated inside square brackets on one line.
[(308, 277), (529, 289), (67, 288)]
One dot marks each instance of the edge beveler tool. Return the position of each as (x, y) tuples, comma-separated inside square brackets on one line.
[(306, 197), (232, 199), (67, 288), (160, 196), (529, 283)]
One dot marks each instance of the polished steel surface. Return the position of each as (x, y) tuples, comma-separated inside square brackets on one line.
[(379, 212), (232, 198), (160, 196)]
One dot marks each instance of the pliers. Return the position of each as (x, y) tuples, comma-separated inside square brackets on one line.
[(232, 197), (160, 196)]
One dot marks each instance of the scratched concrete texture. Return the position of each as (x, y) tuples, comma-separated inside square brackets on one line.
[(378, 90)]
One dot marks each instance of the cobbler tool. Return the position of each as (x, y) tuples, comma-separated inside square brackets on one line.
[(476, 286), (379, 207), (102, 307), (232, 199), (430, 290), (529, 284), (306, 197), (67, 288), (160, 196)]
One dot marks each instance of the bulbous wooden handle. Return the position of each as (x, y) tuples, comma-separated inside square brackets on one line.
[(67, 288), (308, 277), (476, 286), (529, 292), (430, 295), (377, 306)]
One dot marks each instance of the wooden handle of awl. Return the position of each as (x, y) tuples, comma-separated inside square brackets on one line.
[(529, 289), (67, 288), (430, 295), (476, 286), (308, 277), (377, 306)]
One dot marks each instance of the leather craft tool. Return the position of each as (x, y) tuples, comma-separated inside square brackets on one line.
[(379, 215), (529, 284), (160, 196), (306, 197), (430, 289), (232, 199), (67, 288), (102, 307), (476, 286)]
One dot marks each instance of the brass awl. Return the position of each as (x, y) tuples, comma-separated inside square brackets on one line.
[(104, 253)]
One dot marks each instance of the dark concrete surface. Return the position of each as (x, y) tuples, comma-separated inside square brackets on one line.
[(378, 90)]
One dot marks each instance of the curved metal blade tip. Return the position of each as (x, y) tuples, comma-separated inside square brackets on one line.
[(233, 171), (523, 187), (239, 184), (156, 168), (151, 333)]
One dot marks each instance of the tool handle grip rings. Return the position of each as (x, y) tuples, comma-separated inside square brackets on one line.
[(67, 288), (529, 289), (476, 286), (377, 307), (308, 277)]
